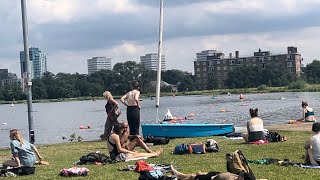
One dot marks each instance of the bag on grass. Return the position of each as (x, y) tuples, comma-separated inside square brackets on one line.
[(156, 140), (273, 137), (212, 146), (75, 171), (94, 157), (237, 163), (181, 149)]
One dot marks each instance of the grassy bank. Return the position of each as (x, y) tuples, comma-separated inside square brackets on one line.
[(63, 155)]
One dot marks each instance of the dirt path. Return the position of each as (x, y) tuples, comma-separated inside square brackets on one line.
[(291, 127)]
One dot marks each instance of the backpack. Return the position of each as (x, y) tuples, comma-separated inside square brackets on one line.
[(212, 146), (238, 164), (23, 170), (181, 149), (273, 137), (197, 148), (94, 157), (156, 140)]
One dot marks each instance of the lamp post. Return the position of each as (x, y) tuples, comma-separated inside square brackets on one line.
[(28, 67)]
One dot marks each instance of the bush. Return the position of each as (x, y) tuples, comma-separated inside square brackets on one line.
[(297, 85), (262, 87)]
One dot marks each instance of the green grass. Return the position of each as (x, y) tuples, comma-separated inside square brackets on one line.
[(63, 155)]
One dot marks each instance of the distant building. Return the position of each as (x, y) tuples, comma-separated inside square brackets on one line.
[(98, 63), (38, 63), (150, 61), (212, 62), (7, 78)]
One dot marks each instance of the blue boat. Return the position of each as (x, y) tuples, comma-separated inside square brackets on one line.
[(186, 130)]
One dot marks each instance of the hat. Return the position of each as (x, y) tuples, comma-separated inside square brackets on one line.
[(316, 126)]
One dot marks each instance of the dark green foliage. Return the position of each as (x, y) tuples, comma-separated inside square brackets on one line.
[(262, 87), (312, 72), (297, 85)]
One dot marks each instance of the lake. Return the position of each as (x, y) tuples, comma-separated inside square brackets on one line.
[(57, 119)]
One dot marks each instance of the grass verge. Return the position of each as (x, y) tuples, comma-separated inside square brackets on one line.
[(63, 155)]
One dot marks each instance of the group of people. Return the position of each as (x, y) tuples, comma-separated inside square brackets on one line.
[(255, 132), (122, 138)]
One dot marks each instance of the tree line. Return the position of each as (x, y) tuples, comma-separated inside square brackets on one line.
[(65, 85)]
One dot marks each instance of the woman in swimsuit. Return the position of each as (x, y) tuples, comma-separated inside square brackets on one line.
[(254, 128), (118, 153), (307, 114), (112, 118), (131, 100)]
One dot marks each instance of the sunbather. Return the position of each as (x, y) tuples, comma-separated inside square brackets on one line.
[(312, 146), (307, 114), (254, 128), (210, 176), (23, 151), (135, 140), (118, 153)]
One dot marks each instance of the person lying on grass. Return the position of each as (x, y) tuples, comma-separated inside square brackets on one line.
[(135, 140), (23, 151), (211, 176), (312, 146), (118, 153)]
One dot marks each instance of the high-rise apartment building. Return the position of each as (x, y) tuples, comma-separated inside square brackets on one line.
[(38, 63), (212, 62), (150, 61), (98, 63)]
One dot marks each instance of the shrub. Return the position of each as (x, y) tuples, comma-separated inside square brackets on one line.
[(297, 85), (262, 87)]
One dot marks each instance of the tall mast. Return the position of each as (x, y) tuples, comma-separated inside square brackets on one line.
[(159, 60), (28, 67)]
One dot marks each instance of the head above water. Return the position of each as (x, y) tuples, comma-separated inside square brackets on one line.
[(316, 127), (304, 104), (253, 112)]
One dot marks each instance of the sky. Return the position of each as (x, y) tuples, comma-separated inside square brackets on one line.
[(71, 31)]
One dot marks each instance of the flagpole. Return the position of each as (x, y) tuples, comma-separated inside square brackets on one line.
[(28, 67), (159, 60)]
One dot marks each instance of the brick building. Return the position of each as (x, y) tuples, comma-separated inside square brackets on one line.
[(214, 63)]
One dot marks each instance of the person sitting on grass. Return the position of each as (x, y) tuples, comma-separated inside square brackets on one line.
[(118, 153), (312, 146), (135, 140), (307, 114), (254, 128), (211, 176), (23, 151)]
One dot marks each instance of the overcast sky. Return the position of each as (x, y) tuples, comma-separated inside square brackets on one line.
[(71, 31)]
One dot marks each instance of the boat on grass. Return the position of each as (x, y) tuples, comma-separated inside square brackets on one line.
[(186, 130)]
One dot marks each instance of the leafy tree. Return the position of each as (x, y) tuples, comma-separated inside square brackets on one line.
[(312, 71)]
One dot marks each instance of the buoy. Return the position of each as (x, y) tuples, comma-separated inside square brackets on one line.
[(222, 110), (12, 104), (192, 115), (81, 127), (89, 126), (180, 118), (4, 123)]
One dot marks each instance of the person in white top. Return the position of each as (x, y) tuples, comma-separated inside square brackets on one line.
[(312, 146), (131, 100), (254, 128)]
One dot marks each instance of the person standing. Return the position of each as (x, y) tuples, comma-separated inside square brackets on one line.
[(131, 101), (112, 118), (23, 151)]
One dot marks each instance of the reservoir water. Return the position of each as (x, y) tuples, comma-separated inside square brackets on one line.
[(52, 121)]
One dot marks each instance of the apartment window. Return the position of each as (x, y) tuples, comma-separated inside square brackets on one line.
[(205, 75), (231, 62), (269, 58), (225, 68), (198, 63), (198, 69), (205, 80), (204, 63), (198, 75), (218, 62), (289, 64), (253, 59), (211, 63), (263, 54), (199, 81), (240, 61), (276, 58), (204, 69), (224, 62), (263, 66), (218, 68), (218, 74)]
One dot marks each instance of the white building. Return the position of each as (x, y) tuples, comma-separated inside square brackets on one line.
[(98, 63), (150, 61)]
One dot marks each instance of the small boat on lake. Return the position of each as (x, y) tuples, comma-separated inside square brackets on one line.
[(186, 130)]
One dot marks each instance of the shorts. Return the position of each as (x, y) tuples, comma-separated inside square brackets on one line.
[(121, 157)]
